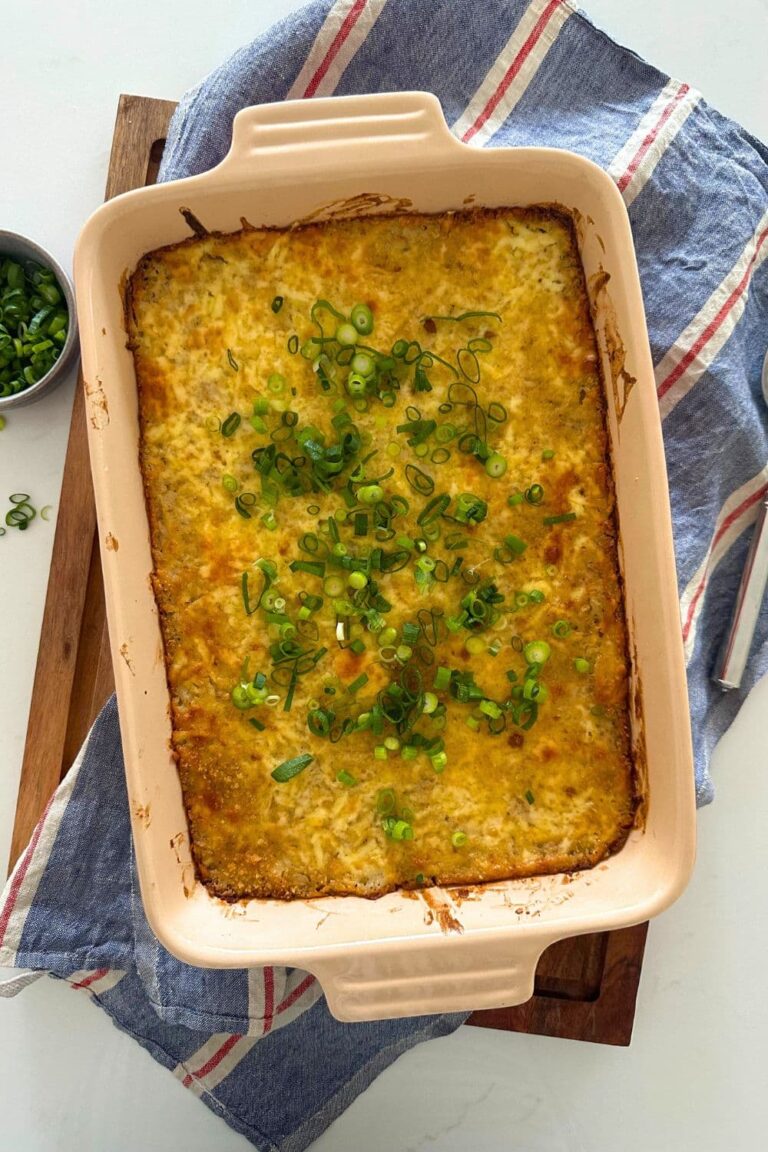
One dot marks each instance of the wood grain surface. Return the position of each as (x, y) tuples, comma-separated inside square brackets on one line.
[(586, 987)]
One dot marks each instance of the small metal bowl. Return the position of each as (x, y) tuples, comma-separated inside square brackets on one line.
[(12, 244)]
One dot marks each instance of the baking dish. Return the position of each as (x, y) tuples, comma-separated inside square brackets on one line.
[(436, 950)]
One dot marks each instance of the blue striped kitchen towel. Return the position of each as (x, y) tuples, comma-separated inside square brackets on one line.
[(507, 72)]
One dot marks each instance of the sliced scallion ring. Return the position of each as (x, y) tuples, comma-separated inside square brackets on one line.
[(362, 319), (537, 652), (496, 465)]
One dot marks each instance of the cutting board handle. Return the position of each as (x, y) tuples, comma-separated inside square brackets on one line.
[(388, 124)]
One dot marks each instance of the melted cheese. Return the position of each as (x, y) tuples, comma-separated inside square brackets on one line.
[(560, 795)]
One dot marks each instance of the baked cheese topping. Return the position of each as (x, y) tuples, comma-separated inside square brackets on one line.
[(382, 520)]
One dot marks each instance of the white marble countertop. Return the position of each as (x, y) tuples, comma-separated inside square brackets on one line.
[(694, 1076)]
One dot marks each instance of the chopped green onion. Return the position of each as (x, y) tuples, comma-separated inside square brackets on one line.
[(466, 316), (232, 362), (239, 697), (525, 714), (419, 481), (470, 509), (536, 596), (475, 645), (290, 768), (496, 465), (22, 513), (515, 498), (534, 494), (363, 364), (231, 424), (490, 708), (442, 679), (277, 304), (563, 518), (346, 778), (399, 830), (534, 690), (276, 383), (313, 567), (411, 632), (370, 494), (293, 344), (357, 684), (548, 454), (430, 703), (515, 545), (33, 325), (380, 752), (439, 761), (582, 666), (357, 580), (537, 652), (529, 796), (244, 502), (386, 802), (434, 509), (356, 384), (362, 319), (561, 629), (310, 602), (347, 335), (459, 839), (319, 721)]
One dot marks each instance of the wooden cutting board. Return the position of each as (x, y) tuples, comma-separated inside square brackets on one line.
[(586, 987)]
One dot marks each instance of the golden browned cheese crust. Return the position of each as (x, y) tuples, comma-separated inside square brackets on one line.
[(554, 796)]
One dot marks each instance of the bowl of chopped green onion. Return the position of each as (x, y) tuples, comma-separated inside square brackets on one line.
[(38, 323)]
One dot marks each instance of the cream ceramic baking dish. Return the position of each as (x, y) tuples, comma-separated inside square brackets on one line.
[(436, 950)]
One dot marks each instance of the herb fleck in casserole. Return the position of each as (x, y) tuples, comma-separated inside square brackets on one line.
[(382, 521)]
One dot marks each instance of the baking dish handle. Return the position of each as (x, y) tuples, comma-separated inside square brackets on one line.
[(452, 975), (397, 125)]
